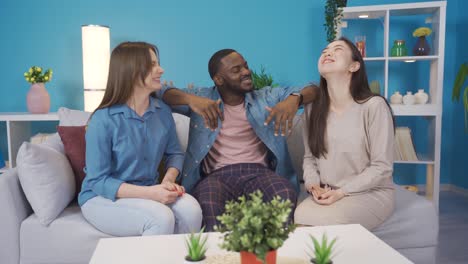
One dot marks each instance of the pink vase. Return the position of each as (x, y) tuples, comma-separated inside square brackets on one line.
[(38, 100)]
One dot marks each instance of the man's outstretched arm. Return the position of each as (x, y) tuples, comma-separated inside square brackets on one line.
[(283, 112), (205, 107)]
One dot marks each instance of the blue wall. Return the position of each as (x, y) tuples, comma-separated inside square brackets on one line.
[(285, 38)]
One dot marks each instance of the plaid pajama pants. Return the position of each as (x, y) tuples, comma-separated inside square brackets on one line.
[(232, 181)]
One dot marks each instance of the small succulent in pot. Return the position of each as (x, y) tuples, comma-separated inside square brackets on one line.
[(196, 247), (322, 250)]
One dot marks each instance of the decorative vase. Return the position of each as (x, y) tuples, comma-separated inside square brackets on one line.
[(422, 47), (251, 258), (408, 99), (37, 99), (186, 261), (399, 48), (421, 97), (396, 98)]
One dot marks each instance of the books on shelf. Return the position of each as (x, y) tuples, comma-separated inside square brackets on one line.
[(404, 147)]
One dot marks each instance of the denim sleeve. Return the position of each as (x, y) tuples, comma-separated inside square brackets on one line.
[(174, 156), (278, 94), (180, 109), (99, 157)]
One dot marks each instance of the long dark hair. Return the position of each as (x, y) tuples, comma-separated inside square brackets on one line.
[(129, 62), (360, 91)]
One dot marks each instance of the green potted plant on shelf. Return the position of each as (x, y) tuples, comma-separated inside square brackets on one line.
[(262, 79), (322, 250), (459, 90), (255, 228), (196, 247), (333, 15)]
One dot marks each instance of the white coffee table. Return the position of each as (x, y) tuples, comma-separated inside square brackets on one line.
[(354, 245)]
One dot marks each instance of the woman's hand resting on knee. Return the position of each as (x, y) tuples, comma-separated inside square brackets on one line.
[(162, 193), (328, 197)]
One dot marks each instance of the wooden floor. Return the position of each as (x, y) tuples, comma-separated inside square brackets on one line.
[(453, 229)]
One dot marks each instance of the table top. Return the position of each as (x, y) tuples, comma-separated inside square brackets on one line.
[(354, 244)]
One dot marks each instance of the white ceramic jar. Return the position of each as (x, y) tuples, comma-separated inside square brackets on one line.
[(396, 98), (421, 97), (408, 99)]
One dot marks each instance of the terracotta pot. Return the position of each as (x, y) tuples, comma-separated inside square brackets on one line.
[(251, 258), (37, 99)]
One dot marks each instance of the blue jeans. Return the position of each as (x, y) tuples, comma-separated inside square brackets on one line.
[(136, 217)]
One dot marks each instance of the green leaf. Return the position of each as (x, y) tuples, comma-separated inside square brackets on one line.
[(459, 80), (465, 103)]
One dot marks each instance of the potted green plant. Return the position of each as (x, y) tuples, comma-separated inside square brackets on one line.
[(457, 90), (196, 247), (255, 228), (322, 250), (333, 15), (262, 79), (37, 99)]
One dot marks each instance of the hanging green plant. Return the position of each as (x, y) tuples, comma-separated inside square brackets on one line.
[(333, 15), (457, 90)]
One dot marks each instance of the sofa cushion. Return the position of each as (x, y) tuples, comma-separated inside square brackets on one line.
[(47, 180), (182, 129), (68, 239), (296, 146), (413, 224), (73, 138), (70, 117)]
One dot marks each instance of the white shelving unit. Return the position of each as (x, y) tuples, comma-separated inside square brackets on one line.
[(18, 127), (436, 16)]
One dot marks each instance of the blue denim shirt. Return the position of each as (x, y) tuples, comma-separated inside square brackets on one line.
[(201, 139), (124, 147)]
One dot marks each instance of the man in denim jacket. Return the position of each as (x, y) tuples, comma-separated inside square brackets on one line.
[(233, 148)]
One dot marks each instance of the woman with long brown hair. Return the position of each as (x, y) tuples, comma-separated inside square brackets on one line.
[(349, 140), (126, 138)]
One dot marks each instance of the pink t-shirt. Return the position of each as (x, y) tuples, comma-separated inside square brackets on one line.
[(236, 142)]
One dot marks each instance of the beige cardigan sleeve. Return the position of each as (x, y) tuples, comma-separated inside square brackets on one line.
[(380, 136), (309, 165)]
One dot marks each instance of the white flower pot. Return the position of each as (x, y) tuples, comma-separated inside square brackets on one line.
[(421, 97), (396, 98), (408, 99)]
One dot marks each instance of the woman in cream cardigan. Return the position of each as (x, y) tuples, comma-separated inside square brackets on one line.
[(348, 138)]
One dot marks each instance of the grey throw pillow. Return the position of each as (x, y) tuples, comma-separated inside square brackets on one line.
[(47, 180)]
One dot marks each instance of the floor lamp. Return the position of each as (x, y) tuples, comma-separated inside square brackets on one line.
[(96, 55)]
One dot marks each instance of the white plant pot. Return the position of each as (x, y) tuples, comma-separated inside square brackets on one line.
[(408, 99), (396, 98), (421, 97)]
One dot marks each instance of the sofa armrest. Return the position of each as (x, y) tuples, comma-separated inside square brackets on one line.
[(14, 209)]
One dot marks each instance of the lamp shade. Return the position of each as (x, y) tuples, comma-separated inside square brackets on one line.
[(96, 56)]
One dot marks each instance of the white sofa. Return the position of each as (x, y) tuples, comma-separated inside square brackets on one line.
[(412, 230)]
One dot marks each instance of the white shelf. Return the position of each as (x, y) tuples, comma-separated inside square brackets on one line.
[(415, 110), (374, 58), (423, 159), (18, 126), (20, 116), (435, 13), (395, 9), (415, 58)]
